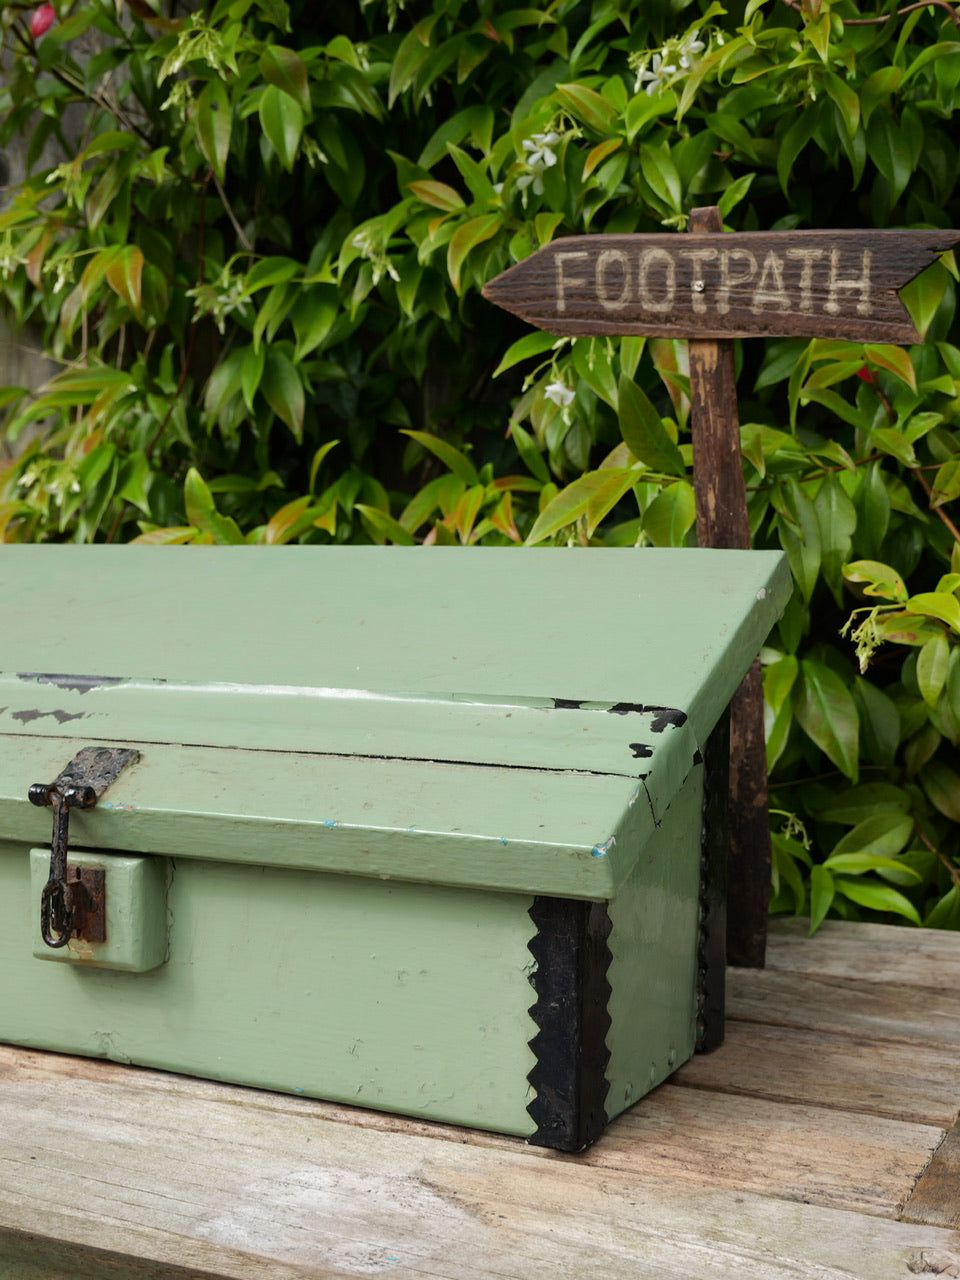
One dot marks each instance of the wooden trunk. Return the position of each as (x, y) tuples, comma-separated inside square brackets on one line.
[(421, 830)]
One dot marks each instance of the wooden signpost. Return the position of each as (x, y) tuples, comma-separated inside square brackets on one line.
[(711, 287)]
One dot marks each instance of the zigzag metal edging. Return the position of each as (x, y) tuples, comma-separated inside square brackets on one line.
[(570, 947)]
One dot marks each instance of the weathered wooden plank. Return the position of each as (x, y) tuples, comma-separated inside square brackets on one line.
[(839, 284), (911, 1082), (869, 953), (936, 1197), (823, 1002), (814, 1154), (235, 1183), (27, 1256)]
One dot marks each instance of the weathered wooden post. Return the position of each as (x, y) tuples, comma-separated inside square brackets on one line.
[(711, 288)]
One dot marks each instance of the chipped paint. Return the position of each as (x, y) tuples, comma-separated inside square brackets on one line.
[(601, 850), (640, 750), (35, 713), (329, 822), (633, 798), (74, 683), (662, 715)]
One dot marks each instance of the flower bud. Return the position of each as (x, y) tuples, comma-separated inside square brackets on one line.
[(42, 20)]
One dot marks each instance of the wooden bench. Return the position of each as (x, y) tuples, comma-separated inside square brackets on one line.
[(819, 1143)]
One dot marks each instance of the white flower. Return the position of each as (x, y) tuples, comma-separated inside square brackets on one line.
[(560, 394), (689, 48), (540, 154), (657, 75)]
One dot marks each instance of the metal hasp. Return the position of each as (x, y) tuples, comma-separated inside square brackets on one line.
[(72, 903)]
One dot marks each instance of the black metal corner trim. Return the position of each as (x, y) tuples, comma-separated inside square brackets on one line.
[(571, 1012), (714, 841)]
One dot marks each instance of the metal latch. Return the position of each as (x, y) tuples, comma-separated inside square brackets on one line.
[(73, 900)]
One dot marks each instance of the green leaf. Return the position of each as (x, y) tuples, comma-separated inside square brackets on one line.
[(213, 123), (587, 106), (858, 864), (267, 272), (567, 507), (413, 52), (879, 722), (124, 275), (837, 521), (881, 580), (437, 194), (450, 456), (477, 121), (644, 433), (384, 526), (942, 785), (778, 681), (877, 897), (285, 69), (924, 295), (846, 99), (881, 835), (893, 358), (828, 715), (466, 238), (312, 316), (282, 120), (660, 172), (860, 803), (821, 896), (933, 664), (619, 481), (890, 440), (885, 144), (283, 390), (876, 87), (671, 515), (794, 141), (946, 484), (253, 360), (202, 511), (799, 532), (946, 914), (530, 455), (531, 344), (937, 604)]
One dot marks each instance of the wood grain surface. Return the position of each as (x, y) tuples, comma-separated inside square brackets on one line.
[(767, 1166), (913, 1082), (936, 1197), (823, 1002), (839, 284)]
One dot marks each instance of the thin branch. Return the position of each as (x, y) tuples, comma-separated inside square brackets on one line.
[(885, 17), (952, 869), (241, 234), (928, 489), (29, 45)]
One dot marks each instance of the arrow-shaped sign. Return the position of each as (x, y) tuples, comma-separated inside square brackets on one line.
[(839, 284)]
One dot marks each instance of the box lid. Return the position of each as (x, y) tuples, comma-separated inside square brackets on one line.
[(494, 717)]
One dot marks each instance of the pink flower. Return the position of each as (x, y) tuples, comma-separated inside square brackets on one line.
[(42, 20)]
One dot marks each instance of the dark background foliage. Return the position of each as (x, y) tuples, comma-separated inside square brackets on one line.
[(253, 236)]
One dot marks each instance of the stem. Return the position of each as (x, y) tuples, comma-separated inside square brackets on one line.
[(241, 234), (953, 871), (885, 17), (928, 489)]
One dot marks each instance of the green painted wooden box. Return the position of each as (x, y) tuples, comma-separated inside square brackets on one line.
[(416, 829)]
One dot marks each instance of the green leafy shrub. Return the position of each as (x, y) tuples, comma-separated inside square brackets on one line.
[(257, 258)]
